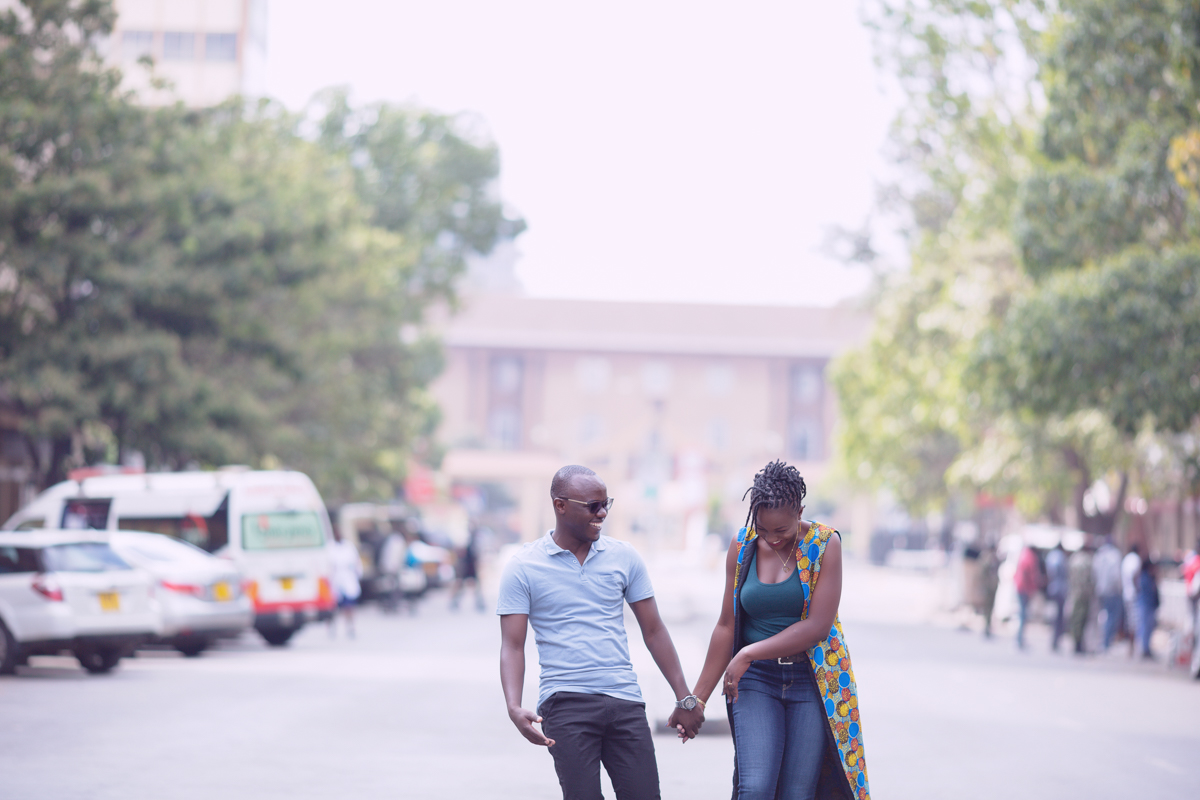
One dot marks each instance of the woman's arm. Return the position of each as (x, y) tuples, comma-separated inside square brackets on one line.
[(804, 634), (720, 646)]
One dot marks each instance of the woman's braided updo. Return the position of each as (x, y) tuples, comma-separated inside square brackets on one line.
[(777, 485)]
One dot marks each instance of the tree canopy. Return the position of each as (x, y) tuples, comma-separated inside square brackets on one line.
[(208, 286), (1065, 136)]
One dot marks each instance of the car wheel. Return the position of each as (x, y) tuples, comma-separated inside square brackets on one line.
[(190, 646), (98, 660), (277, 637), (10, 652)]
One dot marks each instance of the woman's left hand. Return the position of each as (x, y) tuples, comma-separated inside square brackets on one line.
[(733, 674)]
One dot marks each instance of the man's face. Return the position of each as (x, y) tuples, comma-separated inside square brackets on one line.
[(574, 508)]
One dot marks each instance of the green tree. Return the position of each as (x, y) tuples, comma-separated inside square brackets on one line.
[(208, 286)]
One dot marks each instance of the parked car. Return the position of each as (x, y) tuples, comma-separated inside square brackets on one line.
[(272, 524), (69, 591), (200, 596)]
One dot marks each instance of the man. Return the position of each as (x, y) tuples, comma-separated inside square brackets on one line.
[(1056, 589), (1107, 565), (1131, 566), (1081, 587), (571, 586)]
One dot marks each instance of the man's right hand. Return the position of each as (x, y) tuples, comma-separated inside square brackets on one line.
[(524, 719)]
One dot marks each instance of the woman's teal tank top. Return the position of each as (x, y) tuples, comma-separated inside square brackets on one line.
[(769, 607)]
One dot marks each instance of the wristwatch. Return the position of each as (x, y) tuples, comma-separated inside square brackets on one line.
[(688, 703)]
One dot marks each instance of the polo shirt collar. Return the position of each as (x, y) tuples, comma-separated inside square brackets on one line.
[(552, 547)]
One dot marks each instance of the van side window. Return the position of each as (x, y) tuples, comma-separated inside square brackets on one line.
[(31, 524), (85, 513), (17, 559), (207, 533)]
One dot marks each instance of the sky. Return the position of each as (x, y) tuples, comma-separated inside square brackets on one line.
[(658, 150)]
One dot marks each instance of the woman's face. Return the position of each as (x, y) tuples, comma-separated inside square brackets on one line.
[(777, 527)]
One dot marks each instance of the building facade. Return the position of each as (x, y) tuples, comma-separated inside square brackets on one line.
[(675, 406), (206, 50)]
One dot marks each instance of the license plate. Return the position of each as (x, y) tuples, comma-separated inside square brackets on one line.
[(110, 601), (287, 583), (221, 592)]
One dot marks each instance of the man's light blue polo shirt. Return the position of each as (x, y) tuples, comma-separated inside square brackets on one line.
[(578, 613)]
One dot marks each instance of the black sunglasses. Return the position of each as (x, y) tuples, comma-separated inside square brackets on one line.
[(594, 506)]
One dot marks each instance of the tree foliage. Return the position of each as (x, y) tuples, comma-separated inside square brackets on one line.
[(213, 286), (1069, 131)]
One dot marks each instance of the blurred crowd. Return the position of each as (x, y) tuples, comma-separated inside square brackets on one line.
[(1094, 595)]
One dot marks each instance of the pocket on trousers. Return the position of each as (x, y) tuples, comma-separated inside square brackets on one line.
[(544, 708)]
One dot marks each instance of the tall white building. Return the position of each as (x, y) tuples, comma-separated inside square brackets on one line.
[(206, 50)]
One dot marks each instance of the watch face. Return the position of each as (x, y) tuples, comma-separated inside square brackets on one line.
[(689, 703)]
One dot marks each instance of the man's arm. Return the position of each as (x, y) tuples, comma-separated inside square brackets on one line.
[(658, 642), (512, 676)]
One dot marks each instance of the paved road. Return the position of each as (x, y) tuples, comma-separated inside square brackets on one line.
[(412, 709)]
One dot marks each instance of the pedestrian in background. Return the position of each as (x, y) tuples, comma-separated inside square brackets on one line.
[(1028, 580), (1081, 586), (1056, 590), (1107, 568), (1147, 604), (1131, 566), (989, 580), (347, 571), (467, 569)]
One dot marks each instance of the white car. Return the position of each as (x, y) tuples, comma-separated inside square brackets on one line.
[(200, 596), (69, 591)]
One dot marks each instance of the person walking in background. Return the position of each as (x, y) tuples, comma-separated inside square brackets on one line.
[(346, 575), (1107, 568), (1081, 586), (1028, 579), (1056, 590), (571, 586), (780, 654), (1131, 566), (1147, 605), (467, 569), (989, 580)]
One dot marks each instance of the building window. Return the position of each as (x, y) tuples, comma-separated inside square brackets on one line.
[(591, 429), (806, 412), (592, 375), (220, 47), (656, 378), (179, 46), (135, 44), (506, 381), (718, 379)]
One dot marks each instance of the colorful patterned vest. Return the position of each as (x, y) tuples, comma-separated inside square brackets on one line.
[(831, 666)]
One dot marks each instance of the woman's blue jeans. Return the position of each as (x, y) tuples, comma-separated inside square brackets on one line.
[(780, 730)]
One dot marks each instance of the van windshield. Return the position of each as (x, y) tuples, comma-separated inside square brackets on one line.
[(279, 530)]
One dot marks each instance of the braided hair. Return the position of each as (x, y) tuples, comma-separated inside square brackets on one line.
[(777, 485)]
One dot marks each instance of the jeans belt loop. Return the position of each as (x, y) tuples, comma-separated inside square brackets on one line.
[(787, 659)]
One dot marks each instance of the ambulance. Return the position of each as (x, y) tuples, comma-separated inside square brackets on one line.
[(271, 524)]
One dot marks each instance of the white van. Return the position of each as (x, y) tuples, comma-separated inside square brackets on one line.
[(271, 524)]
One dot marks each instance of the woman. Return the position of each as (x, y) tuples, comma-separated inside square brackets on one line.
[(788, 683)]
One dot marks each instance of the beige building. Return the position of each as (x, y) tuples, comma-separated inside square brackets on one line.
[(675, 406), (206, 49)]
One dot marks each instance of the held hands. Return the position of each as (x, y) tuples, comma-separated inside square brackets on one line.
[(523, 718), (733, 674), (687, 723)]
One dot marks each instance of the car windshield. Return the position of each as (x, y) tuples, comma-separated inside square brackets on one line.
[(154, 548), (81, 557), (279, 530)]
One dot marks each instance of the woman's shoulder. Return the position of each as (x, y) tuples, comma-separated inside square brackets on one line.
[(820, 532)]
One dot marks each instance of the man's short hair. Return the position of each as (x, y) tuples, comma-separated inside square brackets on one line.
[(562, 479)]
